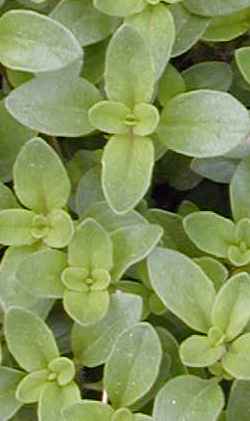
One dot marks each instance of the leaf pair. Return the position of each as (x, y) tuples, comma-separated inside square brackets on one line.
[(50, 377), (220, 236), (42, 186), (83, 275), (188, 292)]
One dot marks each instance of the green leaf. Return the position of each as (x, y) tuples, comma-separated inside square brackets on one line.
[(88, 411), (89, 190), (210, 232), (7, 198), (133, 365), (40, 179), (35, 43), (147, 119), (54, 399), (123, 414), (12, 136), (91, 247), (156, 25), (170, 347), (15, 227), (86, 307), (170, 84), (35, 347), (127, 170), (189, 28), (197, 351), (129, 74), (238, 405), (231, 310), (110, 117), (30, 388), (237, 359), (62, 113), (203, 123), (242, 56), (214, 75), (9, 379), (92, 345), (239, 191), (84, 20), (188, 397), (216, 271), (40, 273), (132, 246), (211, 8), (183, 287), (119, 7), (61, 229), (227, 28)]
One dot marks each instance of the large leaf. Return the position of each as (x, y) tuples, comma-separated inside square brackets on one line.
[(29, 339), (203, 123), (92, 345), (183, 287), (40, 179), (133, 365), (129, 74), (33, 42), (127, 170), (188, 397), (64, 112), (88, 411)]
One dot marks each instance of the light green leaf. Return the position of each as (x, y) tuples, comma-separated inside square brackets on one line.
[(89, 190), (15, 227), (196, 351), (231, 310), (215, 270), (84, 20), (239, 191), (92, 345), (156, 25), (170, 85), (170, 347), (62, 113), (189, 397), (36, 346), (123, 414), (242, 56), (30, 388), (142, 417), (7, 198), (203, 123), (210, 232), (110, 117), (88, 411), (129, 74), (238, 404), (189, 28), (237, 359), (91, 247), (40, 179), (226, 28), (147, 119), (35, 43), (54, 399), (61, 229), (212, 8), (183, 287), (132, 246), (86, 307), (133, 365), (9, 379), (127, 170), (119, 7), (215, 75), (40, 273)]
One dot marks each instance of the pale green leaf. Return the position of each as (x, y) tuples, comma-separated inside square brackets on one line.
[(239, 191), (226, 28), (89, 411), (170, 85), (196, 351), (215, 75), (237, 359), (215, 8), (119, 7), (238, 407), (15, 227), (9, 379), (110, 117), (30, 388), (7, 198)]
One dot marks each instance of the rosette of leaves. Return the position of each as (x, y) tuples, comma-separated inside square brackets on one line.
[(220, 318), (85, 276), (220, 236), (42, 186), (48, 378)]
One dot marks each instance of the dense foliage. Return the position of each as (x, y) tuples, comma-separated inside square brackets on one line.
[(124, 210)]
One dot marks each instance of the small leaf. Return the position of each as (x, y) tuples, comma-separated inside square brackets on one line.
[(40, 179), (119, 7), (30, 388), (239, 191), (7, 198), (133, 365), (203, 123), (237, 359), (9, 379), (170, 84), (210, 232), (183, 287), (110, 117), (36, 346), (61, 229), (15, 227), (129, 74), (216, 271), (215, 75), (127, 170), (88, 411), (211, 8), (188, 396), (147, 119), (35, 43), (231, 310), (196, 351)]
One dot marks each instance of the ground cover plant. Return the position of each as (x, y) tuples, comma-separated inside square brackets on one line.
[(124, 210)]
